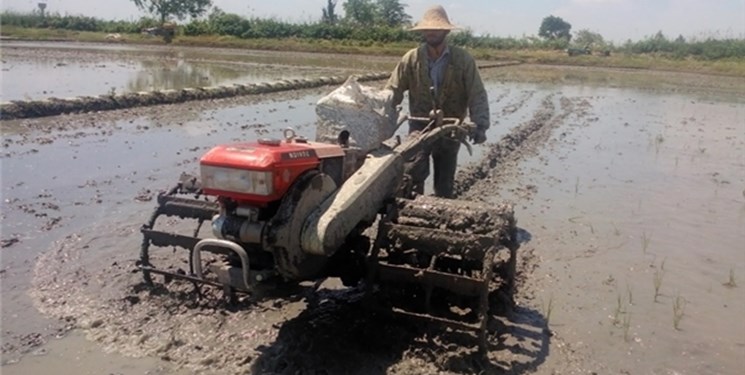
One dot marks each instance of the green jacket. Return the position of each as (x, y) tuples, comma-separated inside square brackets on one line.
[(462, 91)]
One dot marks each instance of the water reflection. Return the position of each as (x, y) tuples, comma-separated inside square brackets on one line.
[(179, 74), (34, 72), (173, 74)]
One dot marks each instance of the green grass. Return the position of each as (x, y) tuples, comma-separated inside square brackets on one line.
[(733, 67), (288, 44)]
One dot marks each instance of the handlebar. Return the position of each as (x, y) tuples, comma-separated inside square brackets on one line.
[(437, 127), (451, 127), (434, 120)]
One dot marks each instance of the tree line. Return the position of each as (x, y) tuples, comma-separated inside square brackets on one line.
[(367, 21)]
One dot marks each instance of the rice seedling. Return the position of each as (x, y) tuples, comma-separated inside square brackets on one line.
[(619, 310), (622, 316), (630, 293), (658, 143), (646, 239), (547, 309), (626, 326), (659, 273), (731, 283), (679, 304)]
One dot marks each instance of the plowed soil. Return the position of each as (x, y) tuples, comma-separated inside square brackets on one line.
[(629, 193)]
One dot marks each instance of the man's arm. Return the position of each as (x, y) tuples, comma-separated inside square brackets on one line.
[(478, 101), (399, 80)]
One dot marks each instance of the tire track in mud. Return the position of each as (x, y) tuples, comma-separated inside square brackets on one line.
[(300, 331)]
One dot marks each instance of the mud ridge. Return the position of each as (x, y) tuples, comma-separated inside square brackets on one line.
[(522, 141), (503, 149)]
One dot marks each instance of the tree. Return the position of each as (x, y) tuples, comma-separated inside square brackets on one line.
[(329, 13), (164, 9), (360, 12), (555, 28), (660, 37), (391, 13), (224, 23), (589, 39)]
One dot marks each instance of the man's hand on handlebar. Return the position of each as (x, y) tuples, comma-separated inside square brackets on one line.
[(477, 136)]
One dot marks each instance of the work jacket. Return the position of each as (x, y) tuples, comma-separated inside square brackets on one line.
[(462, 92)]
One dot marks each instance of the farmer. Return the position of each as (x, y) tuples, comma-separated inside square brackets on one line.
[(458, 91)]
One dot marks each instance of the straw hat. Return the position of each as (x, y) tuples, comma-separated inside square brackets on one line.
[(434, 18)]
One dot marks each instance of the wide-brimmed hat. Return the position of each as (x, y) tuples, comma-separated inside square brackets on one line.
[(434, 18)]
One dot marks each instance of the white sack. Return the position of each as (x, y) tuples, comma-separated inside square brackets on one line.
[(365, 112)]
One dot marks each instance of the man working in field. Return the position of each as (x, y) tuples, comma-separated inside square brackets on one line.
[(458, 91)]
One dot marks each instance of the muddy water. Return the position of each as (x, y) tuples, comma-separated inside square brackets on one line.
[(71, 174), (624, 181), (45, 70), (636, 206)]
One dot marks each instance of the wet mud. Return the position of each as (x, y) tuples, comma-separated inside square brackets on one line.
[(303, 329), (586, 264)]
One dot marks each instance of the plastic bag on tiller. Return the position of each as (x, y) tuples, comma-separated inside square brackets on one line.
[(366, 113)]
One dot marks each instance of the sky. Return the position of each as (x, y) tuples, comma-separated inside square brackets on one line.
[(616, 20)]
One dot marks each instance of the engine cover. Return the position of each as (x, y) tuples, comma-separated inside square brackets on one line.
[(257, 173)]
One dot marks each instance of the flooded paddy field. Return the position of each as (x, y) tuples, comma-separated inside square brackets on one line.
[(62, 70), (628, 188)]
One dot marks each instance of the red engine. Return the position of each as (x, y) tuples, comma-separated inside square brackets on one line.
[(258, 173)]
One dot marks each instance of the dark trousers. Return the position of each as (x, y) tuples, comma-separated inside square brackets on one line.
[(444, 154)]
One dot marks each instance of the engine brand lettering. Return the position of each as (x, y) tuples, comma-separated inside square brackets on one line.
[(298, 154)]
